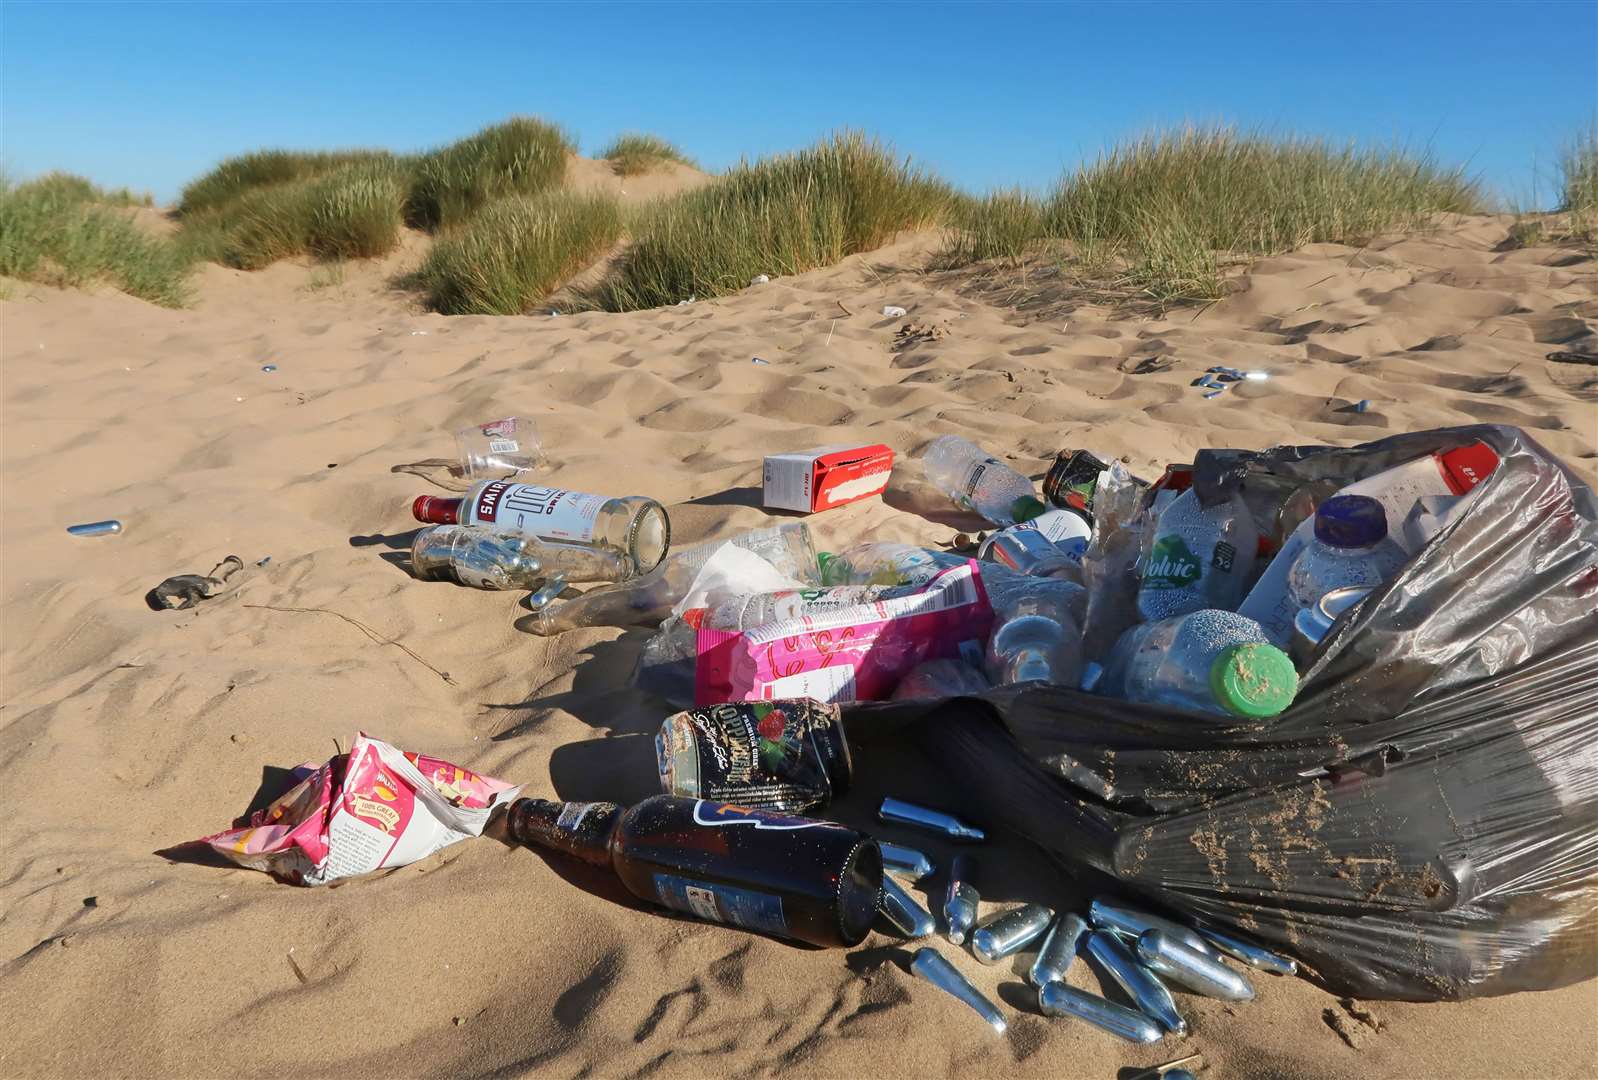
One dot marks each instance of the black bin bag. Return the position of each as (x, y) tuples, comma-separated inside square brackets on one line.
[(1421, 824)]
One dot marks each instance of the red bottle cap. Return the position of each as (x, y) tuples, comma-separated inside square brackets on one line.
[(436, 511)]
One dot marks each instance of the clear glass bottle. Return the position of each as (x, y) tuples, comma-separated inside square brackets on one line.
[(635, 526), (976, 480), (484, 559)]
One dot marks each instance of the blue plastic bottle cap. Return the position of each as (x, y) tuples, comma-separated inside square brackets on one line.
[(1350, 521)]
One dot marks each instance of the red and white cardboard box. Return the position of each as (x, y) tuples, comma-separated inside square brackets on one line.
[(828, 476)]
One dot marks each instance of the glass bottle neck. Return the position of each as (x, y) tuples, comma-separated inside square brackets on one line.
[(436, 510), (575, 828)]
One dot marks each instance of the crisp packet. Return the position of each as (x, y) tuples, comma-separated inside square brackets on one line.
[(374, 807), (849, 654)]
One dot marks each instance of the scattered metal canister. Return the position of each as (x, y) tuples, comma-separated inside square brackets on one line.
[(1010, 933), (1146, 991), (1058, 951), (902, 910), (1058, 999), (1166, 956), (1255, 956), (960, 899), (905, 860), (931, 966), (1129, 923), (899, 812), (96, 528)]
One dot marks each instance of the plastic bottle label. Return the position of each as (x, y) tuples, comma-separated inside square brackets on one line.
[(1171, 565), (552, 513), (720, 903), (974, 477), (503, 446)]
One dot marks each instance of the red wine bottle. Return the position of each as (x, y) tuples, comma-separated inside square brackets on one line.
[(812, 881)]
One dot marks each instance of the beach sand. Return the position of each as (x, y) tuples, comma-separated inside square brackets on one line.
[(125, 731)]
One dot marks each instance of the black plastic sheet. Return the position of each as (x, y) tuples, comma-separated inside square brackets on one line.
[(1422, 824)]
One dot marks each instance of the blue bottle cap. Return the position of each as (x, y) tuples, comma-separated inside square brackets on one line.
[(1350, 521)]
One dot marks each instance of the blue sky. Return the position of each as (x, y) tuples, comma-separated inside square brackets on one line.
[(151, 95)]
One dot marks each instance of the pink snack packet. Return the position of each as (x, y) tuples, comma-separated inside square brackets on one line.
[(371, 808), (849, 654)]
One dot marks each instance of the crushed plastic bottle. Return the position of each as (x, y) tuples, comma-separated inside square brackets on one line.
[(1202, 557), (647, 600), (1350, 548), (976, 480), (1209, 661)]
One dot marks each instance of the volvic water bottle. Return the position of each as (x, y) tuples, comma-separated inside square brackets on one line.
[(1202, 557)]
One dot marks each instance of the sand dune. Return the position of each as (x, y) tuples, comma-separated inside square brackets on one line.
[(126, 730)]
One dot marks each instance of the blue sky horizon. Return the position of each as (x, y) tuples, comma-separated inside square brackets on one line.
[(995, 95)]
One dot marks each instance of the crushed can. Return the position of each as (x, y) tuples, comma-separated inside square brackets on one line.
[(785, 756), (1071, 480)]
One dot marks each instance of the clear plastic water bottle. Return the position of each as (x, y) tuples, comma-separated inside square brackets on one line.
[(1209, 661), (976, 480), (1035, 637), (1202, 557), (884, 562), (1350, 548)]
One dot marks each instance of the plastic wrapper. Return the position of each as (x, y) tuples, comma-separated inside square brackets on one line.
[(372, 808), (852, 653), (1421, 824)]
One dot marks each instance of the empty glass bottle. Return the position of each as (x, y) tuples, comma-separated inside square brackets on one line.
[(635, 526), (485, 559)]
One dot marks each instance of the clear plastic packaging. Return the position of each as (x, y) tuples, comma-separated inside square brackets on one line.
[(648, 600), (499, 449)]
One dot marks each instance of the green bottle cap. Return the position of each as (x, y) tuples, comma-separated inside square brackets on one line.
[(1256, 681), (825, 559), (1026, 508)]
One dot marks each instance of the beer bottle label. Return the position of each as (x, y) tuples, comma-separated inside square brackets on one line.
[(532, 509), (728, 904)]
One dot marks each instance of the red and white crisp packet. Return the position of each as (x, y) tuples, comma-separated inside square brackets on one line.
[(374, 807)]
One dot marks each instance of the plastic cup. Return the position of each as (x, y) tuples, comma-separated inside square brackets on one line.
[(498, 449)]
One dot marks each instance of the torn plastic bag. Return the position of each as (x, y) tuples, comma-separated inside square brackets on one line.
[(1422, 824)]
